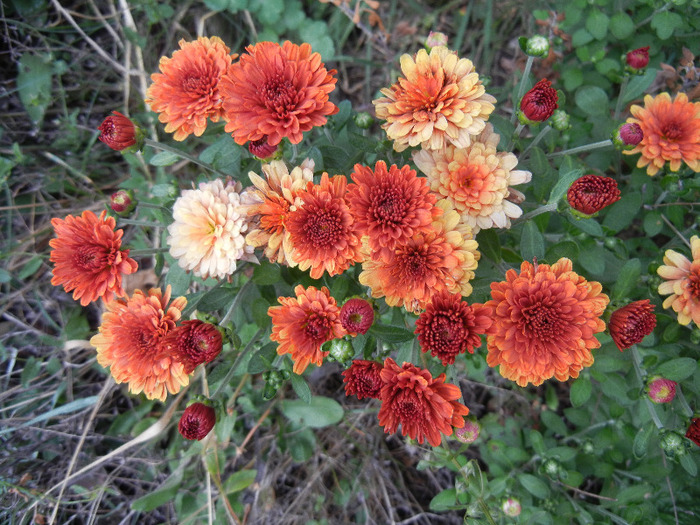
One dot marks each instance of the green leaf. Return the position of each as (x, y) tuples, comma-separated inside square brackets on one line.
[(562, 453), (240, 480), (641, 441), (615, 388), (562, 185), (688, 463), (444, 500), (553, 422), (161, 495), (597, 24), (581, 37), (301, 445), (531, 242), (537, 442), (580, 391), (164, 158), (224, 155), (30, 268), (390, 334), (589, 226), (621, 25), (267, 273), (262, 359), (568, 249), (653, 224), (638, 85), (318, 413), (34, 84), (592, 100), (344, 113), (627, 278), (677, 369), (301, 387), (534, 485), (622, 213), (179, 279), (665, 23), (489, 245)]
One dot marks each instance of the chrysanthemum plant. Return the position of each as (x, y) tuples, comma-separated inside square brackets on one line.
[(401, 258)]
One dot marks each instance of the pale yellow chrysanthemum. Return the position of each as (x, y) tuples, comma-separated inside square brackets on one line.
[(477, 180), (439, 101), (683, 283), (272, 198), (207, 236)]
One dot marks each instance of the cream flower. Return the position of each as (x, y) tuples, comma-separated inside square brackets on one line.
[(683, 283), (477, 180), (207, 235)]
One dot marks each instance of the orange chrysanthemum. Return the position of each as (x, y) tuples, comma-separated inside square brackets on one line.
[(425, 407), (275, 92), (130, 343), (442, 257), (272, 198), (545, 321), (187, 91), (671, 132), (87, 257), (682, 283), (390, 206), (303, 323), (439, 101), (477, 180), (321, 229)]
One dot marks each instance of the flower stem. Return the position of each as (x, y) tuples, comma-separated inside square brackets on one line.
[(149, 251), (552, 206), (687, 411), (136, 222), (537, 139), (153, 206), (521, 88), (638, 370), (180, 153), (588, 147), (516, 134), (618, 104)]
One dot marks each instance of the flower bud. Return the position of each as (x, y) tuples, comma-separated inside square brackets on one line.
[(661, 390), (551, 467), (363, 120), (638, 58), (356, 316), (632, 323), (560, 120), (197, 421), (122, 202), (435, 39), (341, 350), (627, 136), (672, 443), (120, 133), (537, 46), (693, 433), (261, 148), (469, 432), (511, 507), (591, 193), (539, 103), (193, 343)]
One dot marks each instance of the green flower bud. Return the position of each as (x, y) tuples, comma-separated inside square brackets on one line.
[(551, 467), (672, 443), (560, 120), (341, 350), (363, 120), (537, 46)]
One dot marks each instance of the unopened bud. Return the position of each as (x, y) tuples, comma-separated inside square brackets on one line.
[(560, 120), (627, 136), (537, 46), (469, 432), (341, 350), (661, 390), (435, 39), (122, 202), (511, 507), (672, 443)]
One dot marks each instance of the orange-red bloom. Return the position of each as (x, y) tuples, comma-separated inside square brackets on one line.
[(390, 206), (425, 407), (87, 257), (442, 257), (545, 321), (197, 421), (632, 323), (450, 326), (671, 133), (193, 343), (187, 91), (303, 323), (321, 229), (439, 101), (130, 343), (682, 283), (363, 379), (277, 91)]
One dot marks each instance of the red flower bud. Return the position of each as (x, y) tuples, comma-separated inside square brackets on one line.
[(639, 58), (539, 103), (629, 135), (197, 421), (591, 193), (261, 148), (363, 379), (122, 202), (661, 390), (693, 433), (356, 316), (632, 323), (193, 343), (118, 132)]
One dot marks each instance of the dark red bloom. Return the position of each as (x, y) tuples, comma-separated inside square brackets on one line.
[(591, 193), (638, 58), (356, 316), (193, 343), (539, 103), (363, 379), (197, 421), (631, 323), (118, 131), (261, 148), (450, 326), (693, 433), (631, 134)]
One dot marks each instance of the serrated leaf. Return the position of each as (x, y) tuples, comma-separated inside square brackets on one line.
[(627, 278), (531, 242), (566, 179), (301, 387), (580, 391), (677, 369), (641, 441), (240, 480), (391, 334), (318, 413), (534, 485)]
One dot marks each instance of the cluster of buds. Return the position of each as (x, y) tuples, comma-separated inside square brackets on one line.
[(591, 193), (673, 444), (274, 379)]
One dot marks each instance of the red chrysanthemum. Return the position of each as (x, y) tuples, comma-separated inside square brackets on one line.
[(545, 321), (356, 316), (693, 432), (628, 135), (197, 421), (321, 229), (118, 131), (261, 148), (390, 206), (638, 58), (539, 103), (632, 323), (187, 91), (277, 91), (450, 326), (363, 379), (425, 407), (87, 257), (193, 343), (130, 343), (591, 193), (303, 323)]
